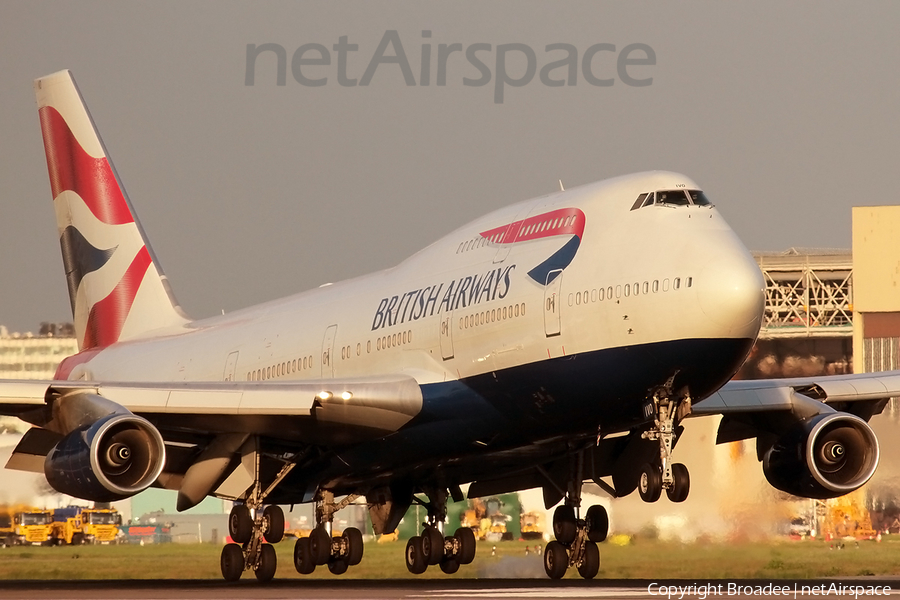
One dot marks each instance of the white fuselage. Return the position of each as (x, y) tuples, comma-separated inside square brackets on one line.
[(639, 276)]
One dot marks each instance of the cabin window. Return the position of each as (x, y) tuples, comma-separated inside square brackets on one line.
[(655, 285), (665, 285), (646, 287), (677, 283), (689, 281)]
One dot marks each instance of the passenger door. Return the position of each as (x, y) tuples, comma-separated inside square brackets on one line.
[(328, 352), (552, 303)]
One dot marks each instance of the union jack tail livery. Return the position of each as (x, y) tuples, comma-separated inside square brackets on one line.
[(117, 290)]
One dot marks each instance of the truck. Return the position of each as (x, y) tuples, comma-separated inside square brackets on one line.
[(23, 525), (77, 525)]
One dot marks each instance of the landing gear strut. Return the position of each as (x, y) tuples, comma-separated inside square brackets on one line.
[(250, 526), (576, 538), (321, 547), (432, 547), (669, 409)]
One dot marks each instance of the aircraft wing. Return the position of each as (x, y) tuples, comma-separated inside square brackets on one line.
[(374, 404), (753, 407), (209, 423)]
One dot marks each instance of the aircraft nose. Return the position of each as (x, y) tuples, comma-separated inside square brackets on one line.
[(732, 293)]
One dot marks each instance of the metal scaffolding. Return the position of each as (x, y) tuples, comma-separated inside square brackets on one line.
[(809, 293)]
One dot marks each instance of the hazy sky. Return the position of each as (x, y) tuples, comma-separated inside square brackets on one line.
[(785, 113)]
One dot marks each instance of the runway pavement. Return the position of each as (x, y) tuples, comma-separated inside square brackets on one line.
[(449, 589)]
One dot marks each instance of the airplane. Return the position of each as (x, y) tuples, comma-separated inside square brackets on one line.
[(557, 341)]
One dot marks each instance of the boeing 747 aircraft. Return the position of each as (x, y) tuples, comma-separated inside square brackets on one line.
[(560, 340)]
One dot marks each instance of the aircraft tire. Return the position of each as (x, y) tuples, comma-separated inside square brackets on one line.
[(355, 545), (232, 562), (320, 545), (303, 560), (240, 525), (415, 560), (467, 545), (598, 523), (682, 484), (268, 563), (556, 560), (650, 486), (449, 565), (338, 566), (590, 564), (273, 517), (432, 545), (564, 527)]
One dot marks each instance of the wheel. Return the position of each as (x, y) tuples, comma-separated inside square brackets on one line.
[(355, 545), (415, 559), (337, 566), (681, 484), (597, 523), (268, 562), (590, 564), (564, 527), (320, 545), (432, 545), (650, 485), (303, 560), (556, 560), (449, 565), (240, 524), (467, 545), (78, 539), (232, 562), (273, 520)]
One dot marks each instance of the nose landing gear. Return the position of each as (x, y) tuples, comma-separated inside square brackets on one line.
[(669, 409)]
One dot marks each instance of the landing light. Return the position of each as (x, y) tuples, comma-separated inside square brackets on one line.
[(325, 395), (346, 395)]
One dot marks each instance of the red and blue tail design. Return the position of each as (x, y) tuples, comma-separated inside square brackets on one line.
[(568, 222), (116, 288)]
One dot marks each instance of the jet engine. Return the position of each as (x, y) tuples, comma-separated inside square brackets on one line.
[(111, 459), (825, 456)]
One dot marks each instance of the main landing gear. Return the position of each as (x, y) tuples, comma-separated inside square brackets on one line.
[(662, 474), (322, 548), (251, 526), (433, 548), (576, 538)]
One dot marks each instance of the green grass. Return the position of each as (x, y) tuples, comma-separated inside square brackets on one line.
[(641, 560)]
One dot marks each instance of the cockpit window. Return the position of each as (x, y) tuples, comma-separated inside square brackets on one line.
[(640, 201), (675, 197), (699, 198), (672, 198)]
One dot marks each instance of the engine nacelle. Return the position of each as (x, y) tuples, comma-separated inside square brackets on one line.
[(825, 456), (111, 459)]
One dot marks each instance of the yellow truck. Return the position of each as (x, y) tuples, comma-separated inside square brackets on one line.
[(23, 525), (80, 525)]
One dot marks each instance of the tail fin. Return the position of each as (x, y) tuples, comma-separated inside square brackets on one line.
[(117, 290)]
